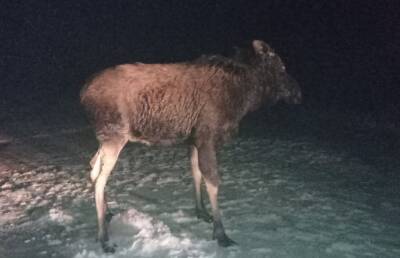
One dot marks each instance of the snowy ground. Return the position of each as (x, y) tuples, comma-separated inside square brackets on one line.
[(302, 187)]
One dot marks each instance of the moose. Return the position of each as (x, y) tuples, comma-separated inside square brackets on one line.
[(200, 103)]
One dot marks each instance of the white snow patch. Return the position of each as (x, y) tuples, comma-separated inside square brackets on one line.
[(149, 178), (181, 217), (54, 242), (167, 180), (346, 249), (154, 236), (5, 139), (150, 238), (60, 216)]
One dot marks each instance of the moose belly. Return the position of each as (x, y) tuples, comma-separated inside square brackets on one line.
[(158, 137)]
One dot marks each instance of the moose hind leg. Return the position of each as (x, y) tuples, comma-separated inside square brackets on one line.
[(94, 159), (95, 163), (108, 156), (208, 167), (201, 211)]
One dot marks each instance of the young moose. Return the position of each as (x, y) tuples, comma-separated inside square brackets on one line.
[(201, 102)]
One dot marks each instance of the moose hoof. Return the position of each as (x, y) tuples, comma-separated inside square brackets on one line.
[(203, 215), (225, 241), (107, 248)]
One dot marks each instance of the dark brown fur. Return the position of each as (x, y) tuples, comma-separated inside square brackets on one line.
[(201, 101)]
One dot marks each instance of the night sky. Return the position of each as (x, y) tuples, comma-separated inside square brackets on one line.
[(344, 54)]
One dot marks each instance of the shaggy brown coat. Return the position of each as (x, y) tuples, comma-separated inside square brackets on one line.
[(201, 102)]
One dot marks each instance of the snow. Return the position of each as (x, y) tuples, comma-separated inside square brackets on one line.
[(60, 216), (284, 193), (151, 238)]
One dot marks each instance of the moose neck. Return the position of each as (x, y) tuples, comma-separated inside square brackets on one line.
[(260, 87)]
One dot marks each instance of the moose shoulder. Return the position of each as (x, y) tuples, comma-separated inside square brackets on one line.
[(201, 102)]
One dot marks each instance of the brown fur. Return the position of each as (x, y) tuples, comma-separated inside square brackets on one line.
[(201, 101), (165, 102)]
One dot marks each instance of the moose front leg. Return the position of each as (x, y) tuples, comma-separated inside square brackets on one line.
[(201, 211), (208, 167)]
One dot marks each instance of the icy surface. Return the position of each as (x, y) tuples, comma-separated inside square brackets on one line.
[(284, 194)]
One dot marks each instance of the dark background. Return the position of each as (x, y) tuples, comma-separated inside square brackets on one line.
[(343, 53)]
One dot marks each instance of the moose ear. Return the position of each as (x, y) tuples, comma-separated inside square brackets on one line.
[(261, 48)]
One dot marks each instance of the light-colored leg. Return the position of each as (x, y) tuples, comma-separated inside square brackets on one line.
[(212, 191), (108, 156), (95, 163), (201, 211), (93, 160)]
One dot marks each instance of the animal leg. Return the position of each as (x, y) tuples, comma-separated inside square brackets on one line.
[(95, 163), (93, 160), (108, 156), (201, 211), (208, 167)]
